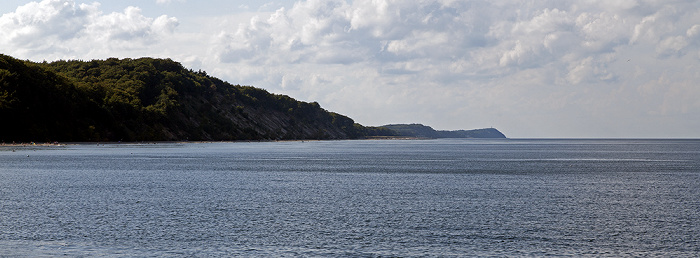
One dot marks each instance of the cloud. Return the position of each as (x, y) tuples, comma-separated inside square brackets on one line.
[(50, 19), (62, 27), (392, 35), (129, 25), (168, 1)]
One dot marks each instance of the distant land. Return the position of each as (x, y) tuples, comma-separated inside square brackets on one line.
[(150, 99), (419, 130)]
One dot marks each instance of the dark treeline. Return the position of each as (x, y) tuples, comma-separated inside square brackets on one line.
[(149, 99)]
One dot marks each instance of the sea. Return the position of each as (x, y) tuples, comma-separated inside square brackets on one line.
[(354, 198)]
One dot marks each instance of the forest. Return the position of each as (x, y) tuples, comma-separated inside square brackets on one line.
[(149, 99)]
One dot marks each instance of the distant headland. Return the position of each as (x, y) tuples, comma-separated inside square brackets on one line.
[(150, 99), (423, 131)]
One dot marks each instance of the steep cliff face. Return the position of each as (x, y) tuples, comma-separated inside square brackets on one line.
[(217, 116), (149, 99)]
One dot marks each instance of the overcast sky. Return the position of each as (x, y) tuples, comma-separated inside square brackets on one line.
[(589, 68)]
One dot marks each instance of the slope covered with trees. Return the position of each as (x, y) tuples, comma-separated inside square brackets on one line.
[(37, 104), (149, 99)]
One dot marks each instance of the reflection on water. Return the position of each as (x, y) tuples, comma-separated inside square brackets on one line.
[(353, 198)]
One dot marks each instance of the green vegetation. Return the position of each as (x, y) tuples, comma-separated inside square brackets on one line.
[(37, 104), (149, 99)]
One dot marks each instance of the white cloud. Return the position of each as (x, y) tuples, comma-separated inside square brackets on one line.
[(602, 32), (127, 26), (50, 19), (63, 28), (168, 1), (671, 45)]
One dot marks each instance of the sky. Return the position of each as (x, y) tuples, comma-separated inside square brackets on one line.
[(530, 68)]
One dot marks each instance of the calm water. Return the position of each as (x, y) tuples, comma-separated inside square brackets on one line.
[(353, 198)]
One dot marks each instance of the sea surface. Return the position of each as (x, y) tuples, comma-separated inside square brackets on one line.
[(366, 198)]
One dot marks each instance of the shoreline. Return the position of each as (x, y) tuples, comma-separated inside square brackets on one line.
[(30, 144), (58, 144)]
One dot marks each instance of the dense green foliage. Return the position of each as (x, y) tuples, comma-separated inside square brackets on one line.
[(149, 99), (36, 104)]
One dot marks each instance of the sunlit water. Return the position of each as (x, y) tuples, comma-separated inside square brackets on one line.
[(353, 198)]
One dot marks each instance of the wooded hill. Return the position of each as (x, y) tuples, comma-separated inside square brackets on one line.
[(423, 131), (149, 99)]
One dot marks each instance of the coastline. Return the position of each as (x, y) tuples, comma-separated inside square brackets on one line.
[(58, 144)]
